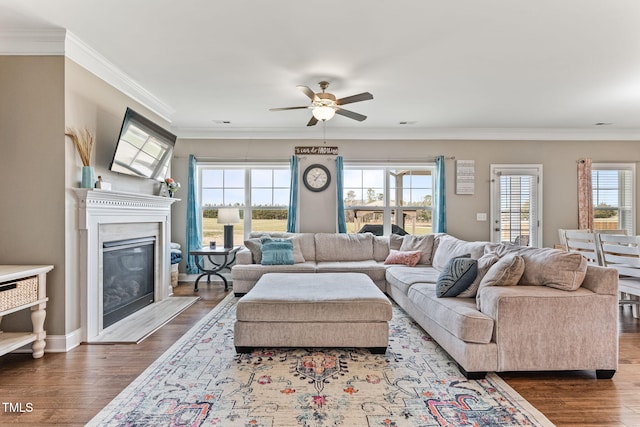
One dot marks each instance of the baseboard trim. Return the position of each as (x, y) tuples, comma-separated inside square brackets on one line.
[(56, 343), (63, 343)]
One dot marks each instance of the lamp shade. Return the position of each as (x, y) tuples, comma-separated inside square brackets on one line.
[(228, 216), (324, 112)]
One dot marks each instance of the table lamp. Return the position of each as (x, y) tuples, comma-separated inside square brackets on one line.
[(228, 216)]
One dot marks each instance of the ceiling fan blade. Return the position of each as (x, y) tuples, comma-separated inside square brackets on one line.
[(313, 121), (307, 91), (364, 96), (355, 116), (288, 108)]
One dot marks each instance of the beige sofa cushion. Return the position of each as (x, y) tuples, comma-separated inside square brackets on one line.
[(550, 267), (395, 241), (423, 243), (380, 247), (253, 272), (459, 316), (344, 247), (371, 268), (448, 247), (402, 277)]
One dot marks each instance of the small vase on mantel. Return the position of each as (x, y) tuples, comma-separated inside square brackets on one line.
[(88, 177)]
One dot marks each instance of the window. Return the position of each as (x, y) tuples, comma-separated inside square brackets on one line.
[(613, 197), (388, 199), (516, 201), (259, 191)]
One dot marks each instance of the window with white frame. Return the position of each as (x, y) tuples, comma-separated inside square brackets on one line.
[(259, 191), (388, 199), (613, 196)]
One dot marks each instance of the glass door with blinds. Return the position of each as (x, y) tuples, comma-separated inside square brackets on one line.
[(516, 204)]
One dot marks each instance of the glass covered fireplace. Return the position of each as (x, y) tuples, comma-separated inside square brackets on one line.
[(127, 277)]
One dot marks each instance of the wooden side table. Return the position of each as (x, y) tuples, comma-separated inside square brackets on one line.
[(228, 255), (22, 287)]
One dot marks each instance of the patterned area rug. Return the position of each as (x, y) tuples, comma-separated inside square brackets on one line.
[(201, 380)]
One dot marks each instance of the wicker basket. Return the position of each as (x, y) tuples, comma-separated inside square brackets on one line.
[(17, 293)]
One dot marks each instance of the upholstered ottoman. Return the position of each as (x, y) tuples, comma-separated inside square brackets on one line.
[(313, 310)]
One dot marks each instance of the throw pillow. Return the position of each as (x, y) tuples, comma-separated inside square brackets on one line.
[(457, 276), (554, 268), (423, 243), (409, 258), (277, 252), (506, 272), (297, 250), (448, 247), (484, 264), (255, 247)]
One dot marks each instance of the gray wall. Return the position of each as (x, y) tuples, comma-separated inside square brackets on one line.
[(41, 96), (32, 170), (318, 210)]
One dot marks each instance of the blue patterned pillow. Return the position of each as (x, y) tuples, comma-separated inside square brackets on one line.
[(277, 252), (457, 276)]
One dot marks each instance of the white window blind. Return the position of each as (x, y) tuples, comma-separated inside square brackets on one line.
[(613, 196), (516, 214)]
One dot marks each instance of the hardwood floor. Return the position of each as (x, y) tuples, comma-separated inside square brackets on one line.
[(70, 388)]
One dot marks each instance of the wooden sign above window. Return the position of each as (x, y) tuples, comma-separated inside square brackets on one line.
[(321, 149)]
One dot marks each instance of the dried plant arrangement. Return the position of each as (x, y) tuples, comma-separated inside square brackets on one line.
[(83, 141)]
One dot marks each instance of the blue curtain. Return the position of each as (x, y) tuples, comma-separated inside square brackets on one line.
[(342, 222), (292, 217), (440, 208), (194, 221)]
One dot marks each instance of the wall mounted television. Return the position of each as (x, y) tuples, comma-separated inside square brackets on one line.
[(144, 148)]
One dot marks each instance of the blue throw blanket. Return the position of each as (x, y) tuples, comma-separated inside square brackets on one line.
[(176, 257)]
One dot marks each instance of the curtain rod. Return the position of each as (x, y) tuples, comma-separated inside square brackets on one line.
[(608, 161), (402, 160), (286, 159)]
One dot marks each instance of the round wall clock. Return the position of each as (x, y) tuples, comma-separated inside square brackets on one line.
[(316, 177)]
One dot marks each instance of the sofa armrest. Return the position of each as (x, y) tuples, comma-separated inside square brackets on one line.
[(243, 256), (541, 328), (601, 280)]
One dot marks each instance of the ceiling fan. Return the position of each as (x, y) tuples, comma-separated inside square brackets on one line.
[(325, 104)]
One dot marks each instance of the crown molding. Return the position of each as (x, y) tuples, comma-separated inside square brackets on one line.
[(85, 56), (32, 42), (62, 42), (413, 133)]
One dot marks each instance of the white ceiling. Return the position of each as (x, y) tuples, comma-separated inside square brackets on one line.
[(503, 69)]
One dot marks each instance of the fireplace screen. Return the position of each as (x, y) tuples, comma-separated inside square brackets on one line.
[(127, 277)]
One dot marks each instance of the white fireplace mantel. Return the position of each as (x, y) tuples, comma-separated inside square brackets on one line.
[(97, 208)]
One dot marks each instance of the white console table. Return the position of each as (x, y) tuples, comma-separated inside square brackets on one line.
[(22, 287)]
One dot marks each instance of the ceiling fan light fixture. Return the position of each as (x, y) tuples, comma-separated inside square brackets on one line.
[(324, 112)]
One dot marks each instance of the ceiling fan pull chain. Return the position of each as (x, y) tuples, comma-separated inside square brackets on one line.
[(324, 131)]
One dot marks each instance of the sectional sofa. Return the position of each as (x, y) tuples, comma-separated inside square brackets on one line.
[(525, 309)]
